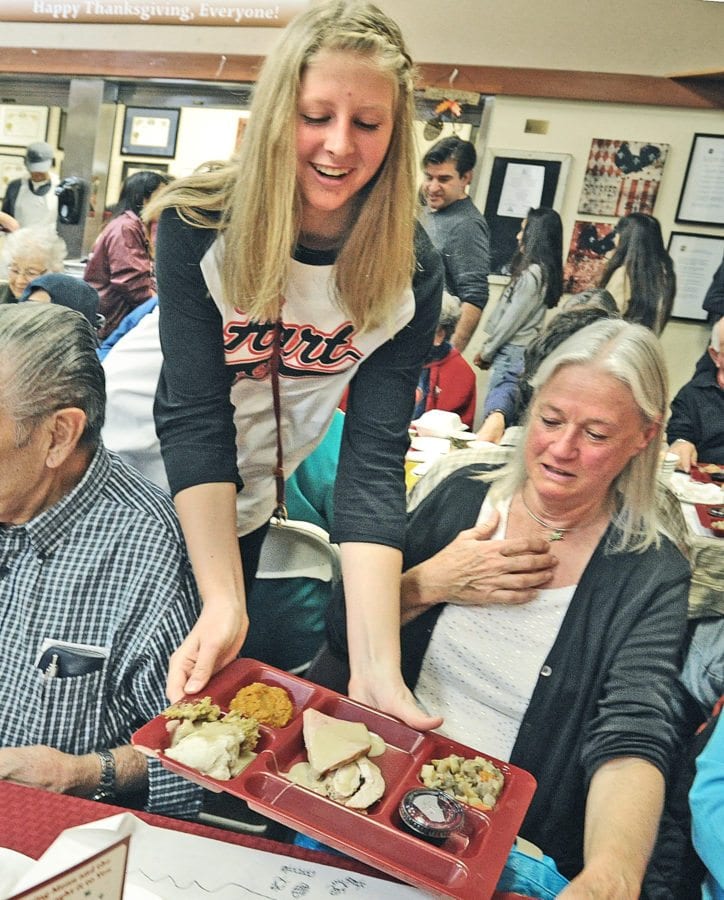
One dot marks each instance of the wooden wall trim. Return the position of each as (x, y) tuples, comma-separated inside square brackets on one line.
[(704, 93)]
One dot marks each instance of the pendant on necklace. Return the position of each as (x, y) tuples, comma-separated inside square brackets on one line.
[(556, 535)]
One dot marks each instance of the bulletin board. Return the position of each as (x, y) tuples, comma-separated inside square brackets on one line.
[(517, 181)]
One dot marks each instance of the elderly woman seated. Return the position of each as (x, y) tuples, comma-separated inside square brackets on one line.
[(27, 254), (544, 612)]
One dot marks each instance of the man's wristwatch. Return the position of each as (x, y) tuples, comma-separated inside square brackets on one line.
[(106, 789)]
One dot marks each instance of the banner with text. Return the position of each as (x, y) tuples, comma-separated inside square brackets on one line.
[(259, 14)]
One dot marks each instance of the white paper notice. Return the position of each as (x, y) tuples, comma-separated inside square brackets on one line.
[(173, 865), (522, 189)]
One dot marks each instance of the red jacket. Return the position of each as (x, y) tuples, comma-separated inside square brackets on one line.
[(452, 386), (120, 269)]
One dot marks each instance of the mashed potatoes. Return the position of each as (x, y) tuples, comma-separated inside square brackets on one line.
[(213, 744)]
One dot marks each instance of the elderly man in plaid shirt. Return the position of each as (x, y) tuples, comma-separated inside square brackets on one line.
[(95, 585)]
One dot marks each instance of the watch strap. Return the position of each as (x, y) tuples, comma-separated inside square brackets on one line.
[(106, 789)]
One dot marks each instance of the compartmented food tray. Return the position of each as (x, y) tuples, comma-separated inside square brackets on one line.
[(706, 519), (467, 865), (699, 473)]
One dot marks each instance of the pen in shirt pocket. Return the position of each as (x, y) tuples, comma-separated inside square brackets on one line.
[(52, 668), (59, 659)]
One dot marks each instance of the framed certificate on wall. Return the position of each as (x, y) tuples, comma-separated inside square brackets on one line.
[(22, 125), (696, 257), (702, 195), (150, 132)]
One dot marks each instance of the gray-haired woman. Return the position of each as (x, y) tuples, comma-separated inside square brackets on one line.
[(28, 253), (547, 631)]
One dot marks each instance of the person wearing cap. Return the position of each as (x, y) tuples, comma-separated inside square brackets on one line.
[(65, 290), (32, 201)]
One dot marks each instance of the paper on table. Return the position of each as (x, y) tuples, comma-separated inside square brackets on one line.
[(167, 865), (691, 491), (12, 866), (73, 862)]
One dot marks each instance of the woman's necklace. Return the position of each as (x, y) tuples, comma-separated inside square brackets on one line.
[(556, 534)]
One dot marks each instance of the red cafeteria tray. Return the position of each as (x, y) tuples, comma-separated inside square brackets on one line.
[(702, 510), (467, 865), (698, 474)]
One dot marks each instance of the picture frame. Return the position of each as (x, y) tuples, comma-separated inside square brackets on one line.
[(512, 181), (622, 176), (150, 132), (701, 201), (696, 258), (22, 125), (12, 166), (130, 167)]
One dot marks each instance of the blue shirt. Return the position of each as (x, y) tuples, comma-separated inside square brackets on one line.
[(106, 568), (706, 799)]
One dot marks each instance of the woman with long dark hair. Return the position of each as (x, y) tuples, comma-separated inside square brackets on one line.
[(536, 284), (640, 272), (120, 267)]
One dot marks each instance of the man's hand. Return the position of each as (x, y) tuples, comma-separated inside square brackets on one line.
[(481, 363), (42, 767), (8, 223), (476, 571), (686, 451), (214, 641)]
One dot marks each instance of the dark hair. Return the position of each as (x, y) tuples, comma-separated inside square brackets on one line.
[(137, 188), (561, 326), (542, 243), (461, 152), (592, 297), (649, 268)]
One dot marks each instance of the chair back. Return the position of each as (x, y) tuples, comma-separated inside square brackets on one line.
[(296, 549)]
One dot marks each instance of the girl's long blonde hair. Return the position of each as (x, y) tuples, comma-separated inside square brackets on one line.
[(255, 201)]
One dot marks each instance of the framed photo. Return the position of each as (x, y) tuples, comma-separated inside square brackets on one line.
[(517, 180), (22, 125), (150, 132), (12, 166), (702, 196), (696, 257), (130, 167)]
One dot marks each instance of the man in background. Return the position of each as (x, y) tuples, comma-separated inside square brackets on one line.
[(96, 588), (32, 201), (695, 430), (458, 230)]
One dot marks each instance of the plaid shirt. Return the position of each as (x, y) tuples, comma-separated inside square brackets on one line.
[(106, 567)]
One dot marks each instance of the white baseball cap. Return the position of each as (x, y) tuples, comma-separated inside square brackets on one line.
[(39, 157)]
